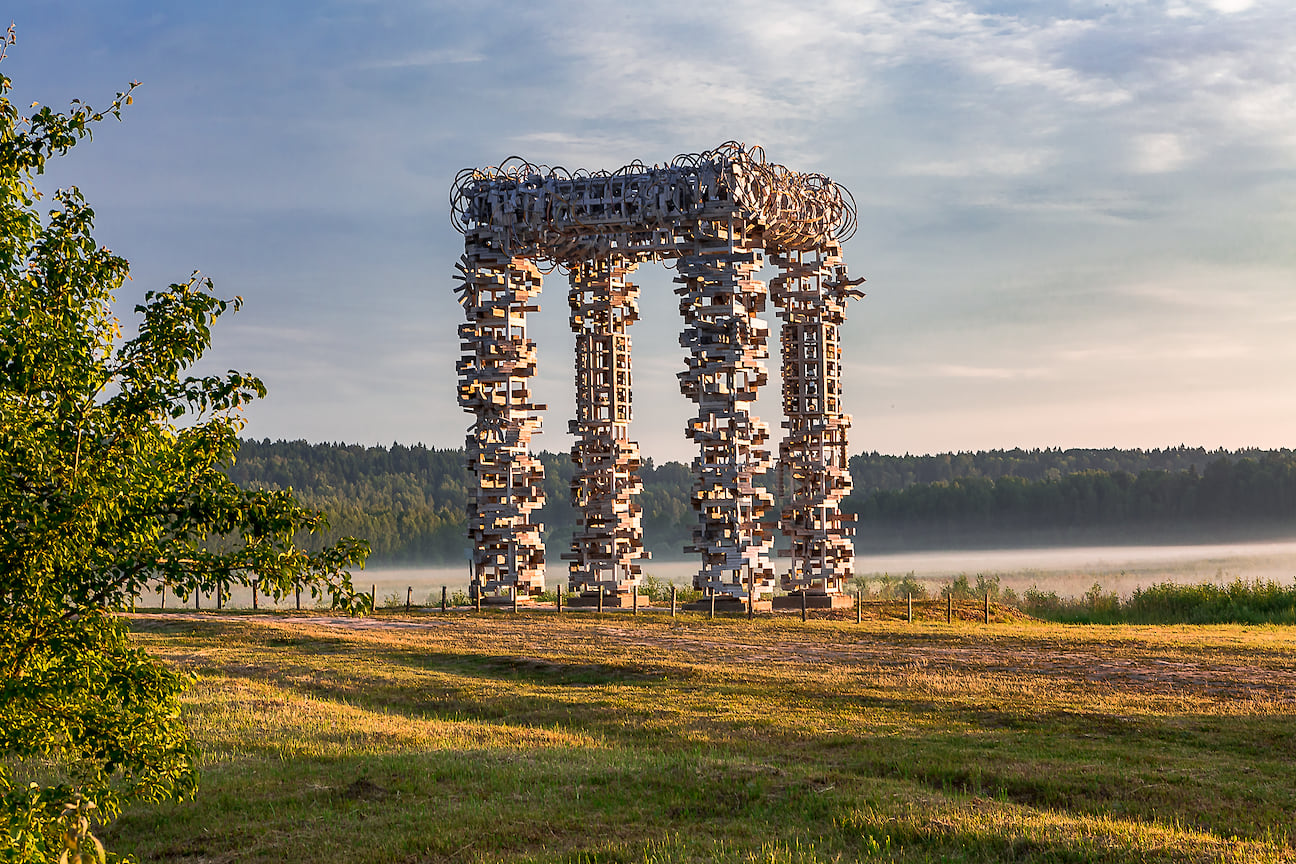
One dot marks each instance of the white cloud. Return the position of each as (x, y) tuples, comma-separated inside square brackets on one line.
[(1199, 8), (1060, 198), (1230, 7), (1158, 153), (1003, 163)]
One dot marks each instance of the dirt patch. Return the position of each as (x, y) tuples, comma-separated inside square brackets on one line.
[(363, 789)]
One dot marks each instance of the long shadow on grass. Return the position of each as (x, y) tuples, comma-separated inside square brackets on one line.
[(1226, 775)]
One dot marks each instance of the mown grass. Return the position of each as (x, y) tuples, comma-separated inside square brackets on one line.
[(614, 738)]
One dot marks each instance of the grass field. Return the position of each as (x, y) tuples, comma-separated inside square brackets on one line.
[(614, 738)]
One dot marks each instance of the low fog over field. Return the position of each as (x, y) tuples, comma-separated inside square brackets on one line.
[(1070, 571)]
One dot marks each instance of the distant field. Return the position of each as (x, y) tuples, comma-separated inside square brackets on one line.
[(612, 738), (1070, 571)]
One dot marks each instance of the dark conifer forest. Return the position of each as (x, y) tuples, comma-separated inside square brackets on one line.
[(409, 501)]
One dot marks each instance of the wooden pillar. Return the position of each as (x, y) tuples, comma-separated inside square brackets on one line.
[(720, 301), (497, 291), (607, 547), (810, 292)]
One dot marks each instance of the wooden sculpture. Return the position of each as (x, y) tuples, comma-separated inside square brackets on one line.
[(716, 214)]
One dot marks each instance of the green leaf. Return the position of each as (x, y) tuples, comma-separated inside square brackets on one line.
[(112, 481)]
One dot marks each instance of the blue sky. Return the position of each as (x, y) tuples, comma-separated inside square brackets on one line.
[(1077, 219)]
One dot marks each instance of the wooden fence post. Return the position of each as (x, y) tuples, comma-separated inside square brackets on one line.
[(987, 607), (909, 599), (443, 598), (297, 591), (600, 606), (635, 599), (803, 603), (559, 606), (672, 599), (949, 608), (256, 589), (712, 615), (514, 592), (859, 606)]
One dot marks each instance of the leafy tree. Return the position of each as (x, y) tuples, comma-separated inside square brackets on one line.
[(111, 479)]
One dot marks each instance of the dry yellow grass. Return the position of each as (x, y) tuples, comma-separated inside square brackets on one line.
[(530, 737)]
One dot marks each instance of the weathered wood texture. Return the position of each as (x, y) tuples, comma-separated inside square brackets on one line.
[(607, 547), (714, 212), (648, 212), (727, 343), (496, 291), (810, 292)]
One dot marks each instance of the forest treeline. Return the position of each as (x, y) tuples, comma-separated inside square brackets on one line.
[(409, 501)]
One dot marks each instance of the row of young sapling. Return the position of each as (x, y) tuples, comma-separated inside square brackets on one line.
[(653, 590), (1225, 600), (217, 600), (656, 590)]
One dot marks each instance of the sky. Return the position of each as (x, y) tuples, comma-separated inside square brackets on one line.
[(1077, 219)]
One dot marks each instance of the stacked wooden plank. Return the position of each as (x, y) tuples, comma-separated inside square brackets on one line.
[(607, 547), (714, 213), (496, 291), (648, 212), (810, 292), (727, 344)]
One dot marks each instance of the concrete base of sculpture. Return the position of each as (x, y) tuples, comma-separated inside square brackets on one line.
[(506, 600), (727, 605), (610, 601), (792, 602)]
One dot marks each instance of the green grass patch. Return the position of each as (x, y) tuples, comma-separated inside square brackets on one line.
[(615, 738), (1238, 602)]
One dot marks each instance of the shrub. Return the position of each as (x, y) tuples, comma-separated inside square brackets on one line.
[(897, 587), (1042, 604), (1239, 602), (961, 588)]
